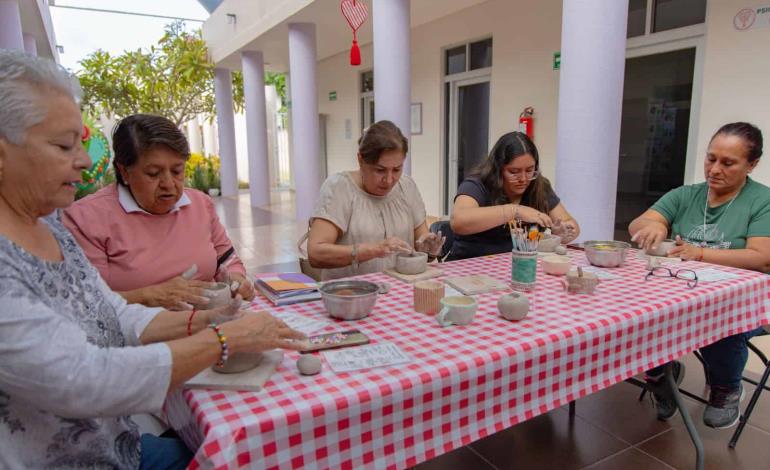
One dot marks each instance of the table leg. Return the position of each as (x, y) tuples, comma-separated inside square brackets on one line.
[(572, 408), (685, 416)]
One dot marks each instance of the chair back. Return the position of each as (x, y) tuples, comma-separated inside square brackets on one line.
[(446, 231)]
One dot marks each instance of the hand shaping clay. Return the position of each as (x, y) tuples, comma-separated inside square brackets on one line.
[(308, 364)]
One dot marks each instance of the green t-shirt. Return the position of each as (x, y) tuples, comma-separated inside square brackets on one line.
[(726, 226)]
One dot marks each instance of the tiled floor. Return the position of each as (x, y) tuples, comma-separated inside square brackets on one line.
[(611, 429)]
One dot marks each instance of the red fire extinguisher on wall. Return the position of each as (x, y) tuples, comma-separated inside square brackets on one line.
[(527, 122)]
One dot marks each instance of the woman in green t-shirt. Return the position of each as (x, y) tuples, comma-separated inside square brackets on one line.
[(730, 211)]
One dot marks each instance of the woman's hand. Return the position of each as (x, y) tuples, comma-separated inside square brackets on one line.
[(260, 331), (244, 287), (533, 216), (430, 243), (686, 251), (177, 293), (568, 230), (224, 314), (384, 248), (650, 235)]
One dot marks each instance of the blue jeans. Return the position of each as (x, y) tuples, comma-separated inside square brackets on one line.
[(164, 453), (725, 359)]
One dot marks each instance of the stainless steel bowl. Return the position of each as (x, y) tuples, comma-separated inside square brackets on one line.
[(606, 254), (349, 300)]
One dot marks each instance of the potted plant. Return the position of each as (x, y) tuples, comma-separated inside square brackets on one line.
[(214, 183)]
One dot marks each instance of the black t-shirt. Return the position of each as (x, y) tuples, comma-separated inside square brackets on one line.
[(492, 241)]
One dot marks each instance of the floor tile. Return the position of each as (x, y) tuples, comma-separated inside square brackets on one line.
[(630, 459), (676, 449), (618, 411), (548, 441), (461, 459)]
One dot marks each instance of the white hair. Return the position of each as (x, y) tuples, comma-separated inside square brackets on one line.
[(22, 78)]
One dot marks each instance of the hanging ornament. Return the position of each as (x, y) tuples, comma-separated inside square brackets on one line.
[(355, 13)]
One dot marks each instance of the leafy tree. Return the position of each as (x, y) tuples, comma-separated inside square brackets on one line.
[(173, 79)]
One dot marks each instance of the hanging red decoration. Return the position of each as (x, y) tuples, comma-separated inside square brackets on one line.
[(355, 12)]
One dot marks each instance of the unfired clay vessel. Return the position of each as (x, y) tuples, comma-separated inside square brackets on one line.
[(457, 310), (662, 249), (427, 296), (556, 265), (308, 364), (574, 283), (513, 307), (412, 263)]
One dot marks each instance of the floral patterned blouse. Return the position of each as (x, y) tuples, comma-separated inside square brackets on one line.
[(72, 369)]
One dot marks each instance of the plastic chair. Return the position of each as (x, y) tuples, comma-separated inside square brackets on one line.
[(760, 386)]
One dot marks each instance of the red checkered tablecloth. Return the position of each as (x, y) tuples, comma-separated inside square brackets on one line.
[(466, 382)]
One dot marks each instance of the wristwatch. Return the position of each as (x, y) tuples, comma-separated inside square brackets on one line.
[(354, 257)]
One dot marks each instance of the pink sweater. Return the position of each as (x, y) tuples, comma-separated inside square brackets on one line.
[(132, 250)]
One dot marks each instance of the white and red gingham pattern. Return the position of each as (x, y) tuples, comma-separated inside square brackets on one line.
[(465, 382)]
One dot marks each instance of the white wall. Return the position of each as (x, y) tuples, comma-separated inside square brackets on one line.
[(525, 36), (736, 80)]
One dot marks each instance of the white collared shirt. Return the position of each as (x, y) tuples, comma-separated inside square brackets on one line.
[(128, 203)]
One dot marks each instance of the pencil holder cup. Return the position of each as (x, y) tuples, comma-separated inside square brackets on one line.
[(523, 269)]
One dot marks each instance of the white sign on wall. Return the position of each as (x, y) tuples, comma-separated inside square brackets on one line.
[(754, 17)]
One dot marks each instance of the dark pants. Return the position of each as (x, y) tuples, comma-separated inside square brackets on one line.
[(725, 359), (165, 453)]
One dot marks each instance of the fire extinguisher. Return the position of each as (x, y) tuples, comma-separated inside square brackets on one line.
[(527, 122)]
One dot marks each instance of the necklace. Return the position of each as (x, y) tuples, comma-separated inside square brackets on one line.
[(716, 221)]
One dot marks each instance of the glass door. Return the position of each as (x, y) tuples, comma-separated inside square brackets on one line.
[(468, 141), (655, 123)]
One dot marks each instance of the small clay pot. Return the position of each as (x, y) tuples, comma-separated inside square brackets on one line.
[(576, 284), (308, 364), (240, 362), (457, 310), (548, 244), (219, 295), (662, 249), (556, 265), (412, 263), (513, 307)]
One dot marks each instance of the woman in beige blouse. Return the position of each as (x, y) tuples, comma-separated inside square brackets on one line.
[(364, 217)]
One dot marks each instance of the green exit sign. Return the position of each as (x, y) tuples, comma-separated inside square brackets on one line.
[(332, 96), (557, 60)]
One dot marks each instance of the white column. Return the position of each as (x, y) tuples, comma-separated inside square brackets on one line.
[(30, 44), (10, 26), (306, 146), (593, 52), (194, 135), (392, 64), (223, 95), (256, 126)]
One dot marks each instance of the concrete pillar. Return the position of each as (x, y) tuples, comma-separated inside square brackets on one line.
[(10, 26), (392, 64), (30, 44), (223, 95), (194, 135), (593, 55), (256, 126), (306, 160)]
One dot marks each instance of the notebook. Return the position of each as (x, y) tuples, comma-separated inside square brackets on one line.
[(288, 288)]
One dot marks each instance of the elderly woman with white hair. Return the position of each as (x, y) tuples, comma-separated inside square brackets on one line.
[(75, 359)]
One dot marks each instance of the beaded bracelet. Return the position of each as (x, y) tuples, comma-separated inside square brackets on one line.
[(222, 342), (189, 322)]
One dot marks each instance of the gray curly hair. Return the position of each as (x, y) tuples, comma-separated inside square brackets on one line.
[(22, 77)]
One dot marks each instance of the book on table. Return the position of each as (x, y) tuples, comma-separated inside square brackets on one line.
[(288, 288)]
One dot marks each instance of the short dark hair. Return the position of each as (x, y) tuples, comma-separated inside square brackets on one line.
[(380, 137), (749, 133), (136, 134)]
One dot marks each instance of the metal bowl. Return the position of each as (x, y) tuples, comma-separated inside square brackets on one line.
[(349, 300), (606, 254)]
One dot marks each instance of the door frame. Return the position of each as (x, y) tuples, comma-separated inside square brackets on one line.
[(451, 112), (687, 37)]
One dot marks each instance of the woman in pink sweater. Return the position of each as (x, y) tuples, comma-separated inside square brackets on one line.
[(146, 230)]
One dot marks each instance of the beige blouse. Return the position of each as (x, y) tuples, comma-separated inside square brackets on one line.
[(364, 218)]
